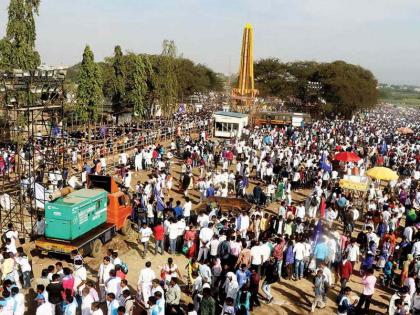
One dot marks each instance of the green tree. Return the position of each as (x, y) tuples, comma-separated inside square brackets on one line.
[(118, 86), (137, 87), (17, 48), (89, 94), (347, 87), (166, 81), (273, 78)]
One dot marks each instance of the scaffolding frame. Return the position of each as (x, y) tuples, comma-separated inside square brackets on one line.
[(33, 104)]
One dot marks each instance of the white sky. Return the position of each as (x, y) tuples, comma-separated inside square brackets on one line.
[(381, 35)]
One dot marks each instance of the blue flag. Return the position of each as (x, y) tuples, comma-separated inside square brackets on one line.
[(160, 205)]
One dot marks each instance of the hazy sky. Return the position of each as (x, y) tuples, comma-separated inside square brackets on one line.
[(381, 35)]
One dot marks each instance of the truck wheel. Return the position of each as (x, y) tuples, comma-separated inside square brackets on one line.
[(126, 229), (96, 248)]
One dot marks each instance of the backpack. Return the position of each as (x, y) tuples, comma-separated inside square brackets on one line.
[(224, 250), (124, 267)]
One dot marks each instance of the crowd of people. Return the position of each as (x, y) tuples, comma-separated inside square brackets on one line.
[(302, 225)]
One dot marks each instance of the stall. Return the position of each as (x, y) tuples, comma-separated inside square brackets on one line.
[(229, 124), (355, 182)]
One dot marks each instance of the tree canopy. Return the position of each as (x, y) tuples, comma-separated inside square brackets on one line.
[(17, 48), (89, 94), (136, 87), (119, 77), (161, 79), (342, 88)]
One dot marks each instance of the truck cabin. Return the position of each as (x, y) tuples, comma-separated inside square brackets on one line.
[(100, 181), (119, 207)]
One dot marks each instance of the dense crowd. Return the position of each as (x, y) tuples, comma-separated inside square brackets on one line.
[(234, 258)]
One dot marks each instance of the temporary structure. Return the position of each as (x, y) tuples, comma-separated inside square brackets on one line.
[(382, 173), (355, 182), (347, 157)]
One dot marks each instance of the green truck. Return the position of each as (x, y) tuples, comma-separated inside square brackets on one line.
[(72, 216), (85, 219)]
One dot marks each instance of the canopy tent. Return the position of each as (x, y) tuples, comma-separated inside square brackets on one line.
[(347, 157), (382, 173), (354, 182)]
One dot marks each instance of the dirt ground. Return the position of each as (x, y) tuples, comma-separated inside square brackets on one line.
[(290, 297)]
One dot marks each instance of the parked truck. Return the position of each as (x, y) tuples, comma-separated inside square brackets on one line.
[(85, 219)]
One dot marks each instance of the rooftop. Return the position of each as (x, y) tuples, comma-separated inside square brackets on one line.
[(231, 114)]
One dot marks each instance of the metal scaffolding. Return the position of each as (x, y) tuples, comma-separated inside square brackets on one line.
[(32, 142)]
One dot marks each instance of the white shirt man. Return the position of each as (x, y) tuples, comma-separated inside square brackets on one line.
[(87, 301), (19, 308), (203, 219), (206, 235), (257, 255), (173, 231), (353, 252), (145, 282), (80, 275), (187, 208), (327, 275), (408, 233), (181, 227), (244, 224), (299, 251), (123, 158), (45, 308), (300, 211), (13, 235), (104, 269), (214, 244), (266, 251), (372, 236), (113, 285), (416, 249), (145, 233)]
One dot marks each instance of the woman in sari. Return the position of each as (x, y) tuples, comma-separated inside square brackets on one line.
[(190, 238)]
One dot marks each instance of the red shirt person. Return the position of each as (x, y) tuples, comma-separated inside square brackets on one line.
[(345, 269), (159, 234)]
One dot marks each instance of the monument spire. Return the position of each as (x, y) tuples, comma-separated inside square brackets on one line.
[(243, 96)]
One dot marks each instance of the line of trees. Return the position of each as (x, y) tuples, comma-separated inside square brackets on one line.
[(140, 82), (132, 82), (336, 87)]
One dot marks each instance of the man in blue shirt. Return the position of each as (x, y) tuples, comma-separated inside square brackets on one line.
[(178, 209), (210, 191), (243, 275), (321, 252)]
